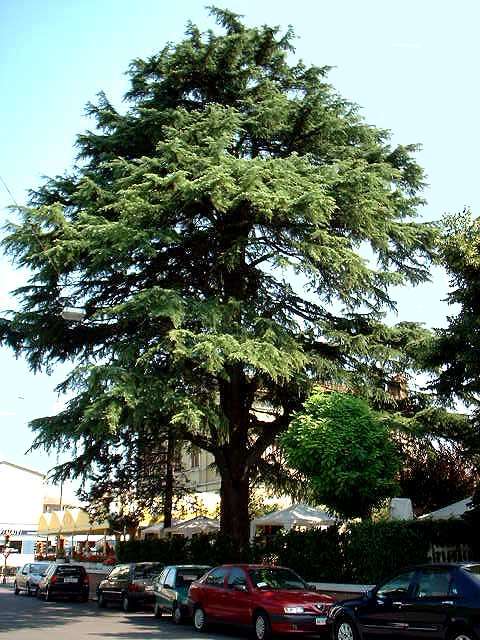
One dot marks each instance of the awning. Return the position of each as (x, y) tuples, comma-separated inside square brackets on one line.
[(70, 522)]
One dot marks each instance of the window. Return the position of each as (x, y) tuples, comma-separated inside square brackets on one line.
[(147, 571), (63, 570), (39, 568), (273, 578), (170, 579), (436, 583), (216, 577), (236, 578), (185, 576), (474, 572), (397, 586), (194, 457), (120, 573)]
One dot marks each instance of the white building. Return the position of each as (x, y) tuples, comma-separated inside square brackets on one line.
[(24, 496), (21, 502)]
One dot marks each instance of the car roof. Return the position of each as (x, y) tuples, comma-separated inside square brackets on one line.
[(242, 565), (446, 565), (188, 566)]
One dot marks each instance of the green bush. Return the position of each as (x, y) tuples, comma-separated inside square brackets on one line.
[(364, 552)]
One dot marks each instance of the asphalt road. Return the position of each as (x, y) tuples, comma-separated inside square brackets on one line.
[(24, 618)]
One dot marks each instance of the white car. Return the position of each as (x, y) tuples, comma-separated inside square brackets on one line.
[(28, 577)]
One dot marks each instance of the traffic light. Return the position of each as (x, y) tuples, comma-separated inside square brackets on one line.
[(7, 539)]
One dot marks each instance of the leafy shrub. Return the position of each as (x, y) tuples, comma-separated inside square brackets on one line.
[(364, 552)]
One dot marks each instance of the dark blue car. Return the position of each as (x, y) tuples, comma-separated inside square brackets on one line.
[(429, 601)]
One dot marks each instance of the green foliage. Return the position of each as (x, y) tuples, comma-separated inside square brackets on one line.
[(209, 549), (457, 347), (180, 232), (344, 451), (360, 553)]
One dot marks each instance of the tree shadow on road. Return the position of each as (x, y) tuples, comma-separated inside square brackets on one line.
[(22, 612)]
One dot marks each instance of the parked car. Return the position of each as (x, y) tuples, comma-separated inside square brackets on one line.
[(28, 577), (171, 589), (434, 601), (64, 580), (129, 585), (265, 598)]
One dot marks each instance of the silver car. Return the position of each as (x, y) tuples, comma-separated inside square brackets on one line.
[(28, 577)]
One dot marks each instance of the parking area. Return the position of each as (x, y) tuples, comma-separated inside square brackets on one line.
[(24, 618)]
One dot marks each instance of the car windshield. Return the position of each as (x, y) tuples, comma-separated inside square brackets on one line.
[(272, 578), (39, 568), (147, 571), (474, 570)]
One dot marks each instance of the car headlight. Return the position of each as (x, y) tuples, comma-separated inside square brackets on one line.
[(294, 609)]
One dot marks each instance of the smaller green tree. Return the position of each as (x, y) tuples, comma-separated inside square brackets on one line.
[(343, 449)]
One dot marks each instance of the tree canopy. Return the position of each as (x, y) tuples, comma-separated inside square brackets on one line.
[(345, 452), (233, 237)]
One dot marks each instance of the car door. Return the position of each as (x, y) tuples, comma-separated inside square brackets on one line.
[(214, 593), (436, 594), (238, 597), (158, 584), (22, 577), (169, 595), (382, 613)]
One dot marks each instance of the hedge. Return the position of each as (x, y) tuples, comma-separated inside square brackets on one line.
[(362, 552)]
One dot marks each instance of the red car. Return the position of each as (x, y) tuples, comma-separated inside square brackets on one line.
[(266, 598)]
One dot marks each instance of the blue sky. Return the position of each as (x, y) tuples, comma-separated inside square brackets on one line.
[(412, 66)]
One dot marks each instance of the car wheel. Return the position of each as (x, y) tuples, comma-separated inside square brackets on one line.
[(261, 626), (102, 603), (177, 615), (199, 619), (48, 595), (462, 635), (344, 630), (16, 590), (29, 591), (126, 604), (157, 611)]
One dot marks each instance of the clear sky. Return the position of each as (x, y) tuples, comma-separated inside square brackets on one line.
[(412, 66)]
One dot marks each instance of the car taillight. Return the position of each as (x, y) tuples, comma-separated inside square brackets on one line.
[(85, 580), (134, 586), (53, 579)]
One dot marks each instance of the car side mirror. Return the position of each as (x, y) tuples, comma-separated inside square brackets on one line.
[(312, 586), (240, 587)]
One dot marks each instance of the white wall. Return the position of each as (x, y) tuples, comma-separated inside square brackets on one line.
[(21, 495)]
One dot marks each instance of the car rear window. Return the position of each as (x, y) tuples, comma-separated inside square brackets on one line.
[(189, 575), (70, 571), (147, 570)]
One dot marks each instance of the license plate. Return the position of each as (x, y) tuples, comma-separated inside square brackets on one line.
[(70, 579), (322, 620)]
